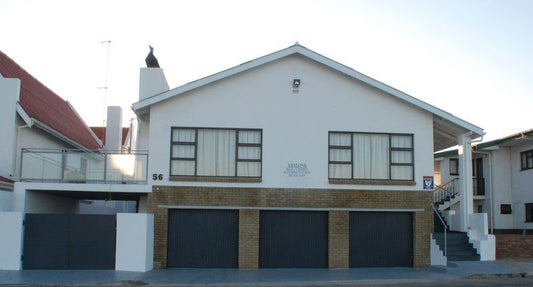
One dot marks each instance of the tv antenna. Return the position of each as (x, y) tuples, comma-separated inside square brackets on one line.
[(104, 87)]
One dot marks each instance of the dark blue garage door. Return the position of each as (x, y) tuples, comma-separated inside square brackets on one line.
[(381, 239), (69, 241), (293, 239), (203, 238)]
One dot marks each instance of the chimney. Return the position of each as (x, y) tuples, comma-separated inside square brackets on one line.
[(113, 131), (152, 81)]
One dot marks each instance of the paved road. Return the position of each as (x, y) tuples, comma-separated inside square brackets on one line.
[(492, 281)]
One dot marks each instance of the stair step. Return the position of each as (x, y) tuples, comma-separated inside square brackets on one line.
[(458, 246)]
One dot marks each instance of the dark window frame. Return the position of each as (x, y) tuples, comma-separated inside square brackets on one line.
[(524, 157), (505, 209), (195, 157), (455, 162), (529, 212), (391, 150)]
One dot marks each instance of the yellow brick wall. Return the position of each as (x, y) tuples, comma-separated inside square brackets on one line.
[(273, 197)]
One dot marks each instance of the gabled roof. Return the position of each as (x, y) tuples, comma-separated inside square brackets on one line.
[(506, 141), (447, 127), (46, 109), (100, 133)]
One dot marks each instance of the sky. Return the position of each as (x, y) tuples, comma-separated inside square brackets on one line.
[(471, 58)]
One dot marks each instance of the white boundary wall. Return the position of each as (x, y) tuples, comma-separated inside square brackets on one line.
[(11, 240), (135, 242)]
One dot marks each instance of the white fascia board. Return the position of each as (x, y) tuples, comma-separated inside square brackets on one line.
[(298, 49), (58, 135), (100, 143), (25, 117)]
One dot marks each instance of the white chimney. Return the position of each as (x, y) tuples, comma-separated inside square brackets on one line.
[(152, 81), (113, 131)]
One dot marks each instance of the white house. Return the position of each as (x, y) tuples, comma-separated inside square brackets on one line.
[(292, 160), (502, 178)]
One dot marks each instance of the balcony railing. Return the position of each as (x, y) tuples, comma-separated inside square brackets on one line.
[(76, 166)]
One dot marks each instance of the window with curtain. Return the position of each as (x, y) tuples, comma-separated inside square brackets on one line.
[(216, 152), (370, 156)]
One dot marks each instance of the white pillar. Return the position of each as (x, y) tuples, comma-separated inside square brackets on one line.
[(135, 242), (466, 204), (11, 240)]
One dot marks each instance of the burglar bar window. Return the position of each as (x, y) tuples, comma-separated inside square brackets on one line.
[(371, 156), (526, 160), (216, 152), (529, 212)]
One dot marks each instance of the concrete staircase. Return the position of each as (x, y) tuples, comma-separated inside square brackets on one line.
[(459, 248)]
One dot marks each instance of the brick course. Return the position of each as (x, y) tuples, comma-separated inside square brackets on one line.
[(514, 246), (276, 197)]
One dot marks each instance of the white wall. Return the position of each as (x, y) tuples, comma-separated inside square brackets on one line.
[(11, 240), (10, 91), (135, 242), (522, 186), (7, 200), (295, 125), (501, 186)]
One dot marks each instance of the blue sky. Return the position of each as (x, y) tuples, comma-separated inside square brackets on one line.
[(471, 58)]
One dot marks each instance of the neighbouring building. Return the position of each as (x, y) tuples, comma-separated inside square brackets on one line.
[(502, 179), (61, 189)]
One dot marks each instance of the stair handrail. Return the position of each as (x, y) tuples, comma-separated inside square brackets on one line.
[(445, 191), (445, 228)]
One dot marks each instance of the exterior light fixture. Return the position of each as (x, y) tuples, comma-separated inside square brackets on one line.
[(296, 83)]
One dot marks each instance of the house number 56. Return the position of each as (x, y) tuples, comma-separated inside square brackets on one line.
[(156, 176)]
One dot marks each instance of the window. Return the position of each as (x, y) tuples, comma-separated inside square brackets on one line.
[(371, 156), (454, 166), (216, 152), (505, 209), (526, 160), (529, 212)]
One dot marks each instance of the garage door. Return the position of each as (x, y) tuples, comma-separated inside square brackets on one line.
[(293, 239), (69, 241), (203, 238), (381, 239)]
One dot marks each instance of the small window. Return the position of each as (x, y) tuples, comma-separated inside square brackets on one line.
[(454, 166), (480, 209), (505, 209), (526, 160), (529, 212)]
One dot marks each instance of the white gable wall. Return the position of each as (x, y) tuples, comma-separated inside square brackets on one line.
[(295, 125)]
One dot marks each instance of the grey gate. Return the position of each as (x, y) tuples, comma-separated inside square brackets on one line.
[(381, 239), (293, 239), (69, 241), (203, 238)]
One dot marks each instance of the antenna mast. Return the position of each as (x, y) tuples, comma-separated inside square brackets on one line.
[(104, 87)]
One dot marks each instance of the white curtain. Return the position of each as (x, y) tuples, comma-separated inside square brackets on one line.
[(337, 170), (247, 168), (183, 167), (403, 157), (371, 156), (216, 152)]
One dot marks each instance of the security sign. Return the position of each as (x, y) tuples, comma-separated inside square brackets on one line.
[(428, 182)]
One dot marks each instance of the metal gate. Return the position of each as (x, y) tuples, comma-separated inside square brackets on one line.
[(203, 238), (381, 239), (69, 241), (293, 239)]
